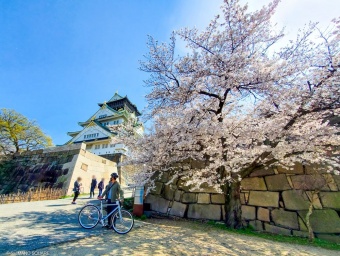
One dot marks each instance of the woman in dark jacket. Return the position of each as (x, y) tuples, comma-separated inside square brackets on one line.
[(76, 189)]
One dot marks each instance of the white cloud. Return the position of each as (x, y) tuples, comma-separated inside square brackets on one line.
[(291, 14), (294, 14)]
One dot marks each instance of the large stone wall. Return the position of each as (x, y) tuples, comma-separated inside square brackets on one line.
[(178, 200), (56, 167), (274, 200)]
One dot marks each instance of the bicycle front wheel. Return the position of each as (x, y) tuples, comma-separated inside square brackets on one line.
[(124, 224), (89, 216)]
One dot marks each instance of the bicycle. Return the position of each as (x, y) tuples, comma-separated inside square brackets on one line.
[(122, 220)]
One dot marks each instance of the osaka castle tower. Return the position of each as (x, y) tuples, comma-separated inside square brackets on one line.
[(96, 134)]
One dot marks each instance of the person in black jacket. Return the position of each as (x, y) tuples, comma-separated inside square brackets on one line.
[(93, 186), (101, 187), (76, 189)]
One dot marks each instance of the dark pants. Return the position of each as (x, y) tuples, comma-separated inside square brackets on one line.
[(76, 194), (110, 208), (100, 192), (92, 192)]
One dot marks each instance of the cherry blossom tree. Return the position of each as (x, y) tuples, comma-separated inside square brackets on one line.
[(236, 101)]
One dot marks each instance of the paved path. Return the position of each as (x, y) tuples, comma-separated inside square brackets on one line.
[(51, 228), (182, 238), (32, 225)]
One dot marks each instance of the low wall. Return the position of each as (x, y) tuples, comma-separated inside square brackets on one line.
[(275, 200), (33, 195), (178, 200), (56, 167)]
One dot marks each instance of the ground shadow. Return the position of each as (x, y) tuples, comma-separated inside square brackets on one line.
[(32, 230)]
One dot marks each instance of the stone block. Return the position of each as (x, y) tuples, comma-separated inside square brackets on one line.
[(300, 233), (277, 182), (290, 180), (255, 183), (169, 192), (262, 172), (295, 200), (158, 188), (178, 195), (337, 180), (330, 200), (310, 182), (248, 212), (330, 182), (263, 214), (330, 238), (189, 198), (178, 209), (203, 198), (157, 204), (256, 224), (296, 169), (204, 211), (323, 221), (205, 188), (302, 225), (163, 176), (242, 198), (313, 197), (217, 198), (264, 199), (285, 219), (314, 169), (276, 230)]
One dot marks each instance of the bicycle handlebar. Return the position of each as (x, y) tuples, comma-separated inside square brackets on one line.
[(102, 199)]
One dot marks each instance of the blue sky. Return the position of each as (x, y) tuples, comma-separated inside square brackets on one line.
[(59, 58)]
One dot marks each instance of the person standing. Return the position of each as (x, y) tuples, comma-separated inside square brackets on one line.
[(101, 187), (113, 192), (93, 186), (76, 189)]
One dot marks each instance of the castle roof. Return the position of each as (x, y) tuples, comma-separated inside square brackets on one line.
[(117, 102)]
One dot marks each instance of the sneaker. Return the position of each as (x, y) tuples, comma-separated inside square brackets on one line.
[(73, 202)]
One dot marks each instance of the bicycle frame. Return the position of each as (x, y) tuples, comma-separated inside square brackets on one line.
[(118, 208), (91, 214)]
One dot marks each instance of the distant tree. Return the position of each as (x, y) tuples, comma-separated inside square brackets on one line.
[(18, 134), (235, 103)]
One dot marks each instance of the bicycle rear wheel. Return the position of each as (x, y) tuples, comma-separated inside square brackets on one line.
[(89, 216), (122, 225)]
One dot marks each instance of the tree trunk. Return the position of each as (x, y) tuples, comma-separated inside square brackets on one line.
[(233, 214), (311, 236)]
